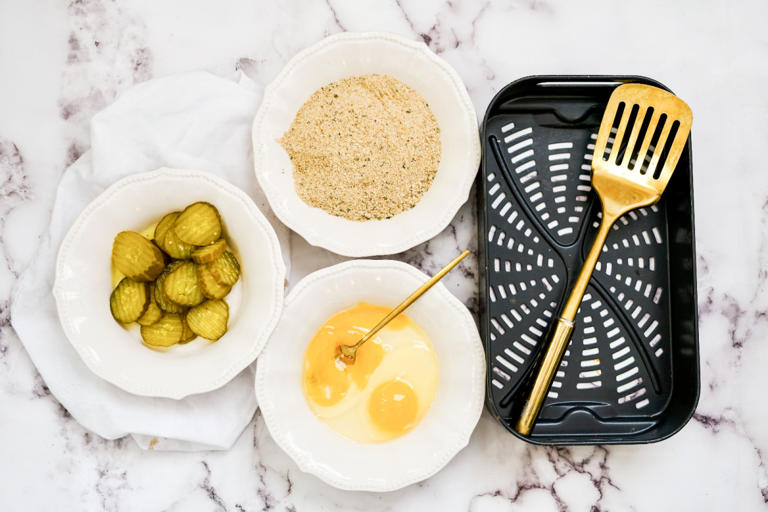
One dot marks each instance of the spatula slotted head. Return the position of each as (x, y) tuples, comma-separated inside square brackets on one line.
[(641, 138)]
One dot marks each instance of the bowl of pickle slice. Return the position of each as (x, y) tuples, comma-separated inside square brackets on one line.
[(174, 278), (169, 283)]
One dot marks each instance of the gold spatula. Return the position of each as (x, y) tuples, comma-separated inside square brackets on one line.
[(640, 140)]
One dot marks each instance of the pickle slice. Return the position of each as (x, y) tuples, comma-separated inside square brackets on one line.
[(211, 288), (161, 298), (175, 248), (164, 225), (209, 319), (210, 252), (225, 269), (165, 332), (153, 312), (181, 285), (136, 257), (187, 334), (198, 224), (129, 300)]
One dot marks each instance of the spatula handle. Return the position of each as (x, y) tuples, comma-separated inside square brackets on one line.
[(562, 333)]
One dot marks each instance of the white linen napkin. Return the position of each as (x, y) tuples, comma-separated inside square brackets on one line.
[(192, 121)]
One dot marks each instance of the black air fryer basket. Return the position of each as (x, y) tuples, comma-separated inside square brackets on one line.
[(630, 373)]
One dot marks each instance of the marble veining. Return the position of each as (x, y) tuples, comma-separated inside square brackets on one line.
[(593, 466), (711, 55), (106, 53), (14, 190)]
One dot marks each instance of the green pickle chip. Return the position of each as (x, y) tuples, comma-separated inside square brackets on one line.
[(181, 300), (153, 312), (136, 257), (129, 300), (225, 269), (182, 286), (161, 298), (165, 332), (211, 288), (209, 319), (209, 253), (198, 224)]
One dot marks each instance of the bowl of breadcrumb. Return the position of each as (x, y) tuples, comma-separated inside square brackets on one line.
[(366, 144)]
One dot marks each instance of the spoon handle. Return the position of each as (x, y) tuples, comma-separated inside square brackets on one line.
[(412, 298)]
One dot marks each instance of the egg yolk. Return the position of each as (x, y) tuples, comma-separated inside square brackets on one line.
[(389, 387), (393, 406), (325, 378)]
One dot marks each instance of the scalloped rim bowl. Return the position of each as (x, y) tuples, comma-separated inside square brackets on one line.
[(83, 284), (450, 420), (354, 54)]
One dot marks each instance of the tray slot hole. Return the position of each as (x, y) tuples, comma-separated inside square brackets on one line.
[(522, 156), (627, 374), (520, 145), (616, 343), (491, 233), (629, 385), (632, 396), (621, 353), (624, 363), (516, 135), (507, 127), (506, 364), (514, 356), (501, 373), (524, 167), (498, 200), (522, 348)]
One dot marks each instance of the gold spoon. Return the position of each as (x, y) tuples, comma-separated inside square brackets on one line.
[(621, 186), (347, 352)]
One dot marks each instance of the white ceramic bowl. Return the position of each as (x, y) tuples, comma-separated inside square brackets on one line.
[(447, 425), (354, 54), (83, 285)]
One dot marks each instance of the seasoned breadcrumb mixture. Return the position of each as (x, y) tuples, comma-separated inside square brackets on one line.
[(363, 148)]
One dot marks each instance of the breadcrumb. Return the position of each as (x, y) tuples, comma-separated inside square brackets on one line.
[(363, 148)]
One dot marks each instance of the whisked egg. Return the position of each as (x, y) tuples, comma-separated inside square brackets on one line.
[(389, 388)]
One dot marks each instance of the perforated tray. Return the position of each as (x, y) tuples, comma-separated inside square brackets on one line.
[(630, 372)]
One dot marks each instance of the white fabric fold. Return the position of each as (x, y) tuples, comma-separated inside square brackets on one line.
[(194, 121)]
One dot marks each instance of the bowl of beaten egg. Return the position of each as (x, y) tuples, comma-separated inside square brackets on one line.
[(407, 405)]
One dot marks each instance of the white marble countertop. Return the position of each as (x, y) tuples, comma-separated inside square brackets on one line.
[(61, 62)]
